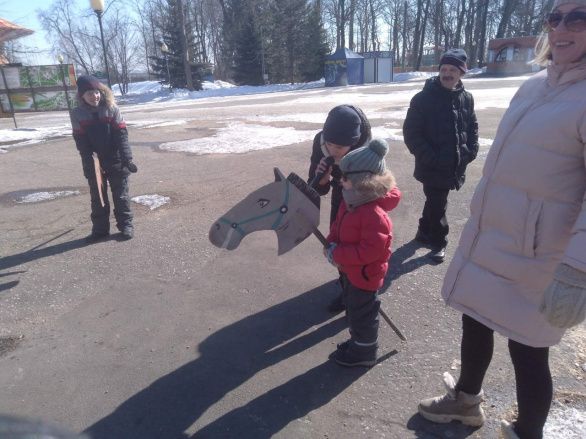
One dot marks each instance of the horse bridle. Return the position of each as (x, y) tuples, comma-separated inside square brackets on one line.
[(280, 211)]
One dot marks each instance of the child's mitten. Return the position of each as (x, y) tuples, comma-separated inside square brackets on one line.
[(564, 303), (130, 166), (329, 253)]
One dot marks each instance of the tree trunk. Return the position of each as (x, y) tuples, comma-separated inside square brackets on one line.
[(508, 9), (183, 44)]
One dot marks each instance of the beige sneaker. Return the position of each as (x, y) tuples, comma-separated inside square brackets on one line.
[(507, 431), (454, 406)]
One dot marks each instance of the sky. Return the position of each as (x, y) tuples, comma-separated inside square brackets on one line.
[(23, 13)]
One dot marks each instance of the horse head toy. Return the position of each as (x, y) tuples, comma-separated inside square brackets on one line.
[(288, 206)]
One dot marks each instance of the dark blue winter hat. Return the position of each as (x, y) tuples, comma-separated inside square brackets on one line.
[(87, 82), (342, 126), (455, 57)]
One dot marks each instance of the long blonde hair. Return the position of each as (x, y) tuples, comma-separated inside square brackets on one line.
[(542, 50)]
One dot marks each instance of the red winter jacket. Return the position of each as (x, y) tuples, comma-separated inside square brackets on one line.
[(363, 237)]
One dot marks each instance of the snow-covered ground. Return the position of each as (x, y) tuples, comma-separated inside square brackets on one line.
[(150, 94)]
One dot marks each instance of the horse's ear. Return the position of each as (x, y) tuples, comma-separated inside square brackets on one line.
[(279, 176)]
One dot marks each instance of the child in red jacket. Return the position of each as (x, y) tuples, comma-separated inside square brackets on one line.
[(360, 246)]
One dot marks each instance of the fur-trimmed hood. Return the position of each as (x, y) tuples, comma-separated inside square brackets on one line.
[(108, 100)]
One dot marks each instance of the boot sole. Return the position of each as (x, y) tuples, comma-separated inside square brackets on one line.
[(473, 421), (366, 363)]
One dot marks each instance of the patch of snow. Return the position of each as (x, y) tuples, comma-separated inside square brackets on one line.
[(152, 201), (240, 138), (21, 137), (45, 196), (155, 123)]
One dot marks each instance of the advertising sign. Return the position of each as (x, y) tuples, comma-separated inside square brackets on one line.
[(37, 88)]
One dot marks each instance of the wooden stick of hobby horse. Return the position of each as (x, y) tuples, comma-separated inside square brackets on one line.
[(99, 180)]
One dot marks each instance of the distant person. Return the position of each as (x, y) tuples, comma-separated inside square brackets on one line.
[(360, 246), (345, 129), (441, 131), (100, 130), (520, 266)]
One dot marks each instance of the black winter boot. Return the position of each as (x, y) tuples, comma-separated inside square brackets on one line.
[(355, 355)]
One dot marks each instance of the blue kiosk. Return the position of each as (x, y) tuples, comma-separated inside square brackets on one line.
[(344, 67)]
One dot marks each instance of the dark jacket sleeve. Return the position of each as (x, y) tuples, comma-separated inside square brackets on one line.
[(82, 144), (120, 135), (472, 143), (414, 133), (316, 156)]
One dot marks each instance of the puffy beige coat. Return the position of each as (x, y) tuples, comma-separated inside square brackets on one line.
[(528, 213)]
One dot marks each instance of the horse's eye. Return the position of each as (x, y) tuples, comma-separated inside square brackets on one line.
[(262, 202)]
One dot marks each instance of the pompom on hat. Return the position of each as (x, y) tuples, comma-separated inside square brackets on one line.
[(455, 57), (87, 82), (342, 126), (364, 161)]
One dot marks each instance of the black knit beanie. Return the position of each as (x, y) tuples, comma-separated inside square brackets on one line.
[(342, 126), (455, 57), (87, 82)]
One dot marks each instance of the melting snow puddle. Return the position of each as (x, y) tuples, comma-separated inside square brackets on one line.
[(152, 201), (37, 197)]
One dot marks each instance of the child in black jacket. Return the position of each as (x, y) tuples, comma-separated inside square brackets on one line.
[(101, 138)]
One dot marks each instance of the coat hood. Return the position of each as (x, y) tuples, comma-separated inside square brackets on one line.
[(390, 200)]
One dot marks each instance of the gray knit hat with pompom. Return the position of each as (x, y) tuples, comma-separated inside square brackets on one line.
[(367, 160)]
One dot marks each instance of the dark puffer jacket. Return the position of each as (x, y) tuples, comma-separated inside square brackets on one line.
[(441, 131), (101, 130)]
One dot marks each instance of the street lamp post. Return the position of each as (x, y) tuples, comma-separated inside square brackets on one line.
[(165, 51), (60, 59), (98, 7)]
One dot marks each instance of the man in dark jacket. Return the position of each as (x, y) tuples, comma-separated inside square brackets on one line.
[(441, 131)]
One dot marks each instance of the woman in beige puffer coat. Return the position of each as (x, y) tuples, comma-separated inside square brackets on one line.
[(520, 267)]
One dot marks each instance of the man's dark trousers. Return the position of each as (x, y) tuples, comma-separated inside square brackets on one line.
[(433, 223)]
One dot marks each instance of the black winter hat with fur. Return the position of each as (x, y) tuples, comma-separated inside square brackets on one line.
[(87, 82)]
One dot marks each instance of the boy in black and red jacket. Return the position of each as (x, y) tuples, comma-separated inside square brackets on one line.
[(99, 130)]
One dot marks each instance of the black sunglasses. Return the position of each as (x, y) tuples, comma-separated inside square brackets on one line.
[(575, 21), (346, 174)]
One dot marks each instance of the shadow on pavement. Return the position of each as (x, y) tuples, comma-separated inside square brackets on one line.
[(425, 429), (32, 255), (8, 285), (400, 263), (229, 358)]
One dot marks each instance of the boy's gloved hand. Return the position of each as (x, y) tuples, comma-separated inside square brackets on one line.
[(564, 303), (130, 166), (329, 253)]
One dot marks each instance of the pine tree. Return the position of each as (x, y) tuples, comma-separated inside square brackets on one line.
[(248, 52), (182, 50), (316, 47), (242, 49), (289, 26)]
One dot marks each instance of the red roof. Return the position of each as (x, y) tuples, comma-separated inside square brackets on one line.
[(10, 31)]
